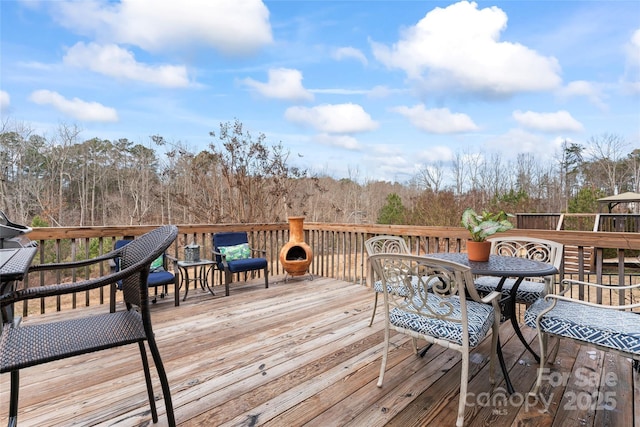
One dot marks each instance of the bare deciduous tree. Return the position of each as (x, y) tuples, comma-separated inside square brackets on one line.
[(242, 178), (607, 153), (431, 176)]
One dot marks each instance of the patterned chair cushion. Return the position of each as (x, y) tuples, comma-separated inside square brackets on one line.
[(377, 285), (480, 318), (157, 264), (528, 292), (607, 327), (236, 252)]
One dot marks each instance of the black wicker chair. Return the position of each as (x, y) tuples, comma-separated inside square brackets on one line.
[(27, 345)]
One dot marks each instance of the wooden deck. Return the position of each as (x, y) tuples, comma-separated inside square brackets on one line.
[(301, 353)]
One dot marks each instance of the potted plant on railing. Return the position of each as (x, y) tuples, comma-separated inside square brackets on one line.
[(482, 226)]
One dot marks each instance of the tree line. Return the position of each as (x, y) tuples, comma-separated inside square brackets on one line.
[(62, 180)]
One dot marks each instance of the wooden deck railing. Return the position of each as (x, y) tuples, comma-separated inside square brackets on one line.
[(629, 223), (338, 252)]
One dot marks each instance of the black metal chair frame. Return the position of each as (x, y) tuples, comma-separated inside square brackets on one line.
[(28, 345)]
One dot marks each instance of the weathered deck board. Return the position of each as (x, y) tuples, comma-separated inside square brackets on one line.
[(301, 353)]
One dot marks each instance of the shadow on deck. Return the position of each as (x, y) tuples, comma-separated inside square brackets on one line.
[(300, 353)]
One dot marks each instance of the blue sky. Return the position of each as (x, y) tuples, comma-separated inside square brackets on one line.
[(373, 90)]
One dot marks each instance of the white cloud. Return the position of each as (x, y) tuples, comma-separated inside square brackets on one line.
[(631, 79), (234, 27), (517, 141), (633, 49), (76, 108), (459, 48), (283, 83), (437, 120), (5, 100), (340, 141), (373, 93), (633, 87), (560, 121), (585, 89), (435, 154), (340, 91), (333, 118), (391, 162), (380, 91), (114, 61), (349, 53)]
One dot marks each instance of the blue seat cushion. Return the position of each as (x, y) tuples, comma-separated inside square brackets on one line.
[(480, 319), (528, 292), (160, 278), (247, 264), (230, 238), (607, 327)]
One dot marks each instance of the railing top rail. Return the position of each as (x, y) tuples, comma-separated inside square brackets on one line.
[(619, 240), (48, 233)]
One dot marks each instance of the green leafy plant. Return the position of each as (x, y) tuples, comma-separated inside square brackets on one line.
[(486, 224)]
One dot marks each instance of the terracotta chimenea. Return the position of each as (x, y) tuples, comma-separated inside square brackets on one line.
[(296, 255)]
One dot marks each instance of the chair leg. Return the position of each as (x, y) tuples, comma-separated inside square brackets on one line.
[(464, 377), (176, 291), (375, 305), (112, 298), (385, 353), (13, 400), (266, 278), (227, 281), (414, 342), (542, 339), (164, 382), (147, 378)]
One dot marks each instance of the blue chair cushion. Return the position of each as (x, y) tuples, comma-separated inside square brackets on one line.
[(231, 238), (247, 264), (607, 327), (480, 319), (528, 292), (158, 278)]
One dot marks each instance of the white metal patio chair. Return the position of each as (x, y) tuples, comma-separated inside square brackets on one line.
[(425, 298), (524, 247)]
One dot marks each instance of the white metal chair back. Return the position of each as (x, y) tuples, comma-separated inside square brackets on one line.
[(541, 250), (528, 247), (378, 245), (386, 244)]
